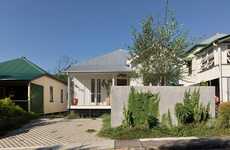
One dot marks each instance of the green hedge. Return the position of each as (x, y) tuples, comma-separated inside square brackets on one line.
[(12, 116)]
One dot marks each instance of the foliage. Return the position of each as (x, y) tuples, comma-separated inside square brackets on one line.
[(223, 120), (191, 110), (128, 118), (12, 116), (62, 77), (166, 120), (198, 130), (142, 110), (152, 121), (158, 51)]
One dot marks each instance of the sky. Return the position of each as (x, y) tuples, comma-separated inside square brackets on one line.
[(45, 30)]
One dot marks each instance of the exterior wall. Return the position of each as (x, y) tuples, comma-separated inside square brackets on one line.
[(198, 75), (169, 96), (82, 87), (56, 105)]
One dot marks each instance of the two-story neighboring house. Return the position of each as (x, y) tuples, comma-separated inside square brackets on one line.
[(209, 62)]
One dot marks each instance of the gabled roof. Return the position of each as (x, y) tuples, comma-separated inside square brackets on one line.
[(20, 69), (206, 41), (116, 61), (213, 38)]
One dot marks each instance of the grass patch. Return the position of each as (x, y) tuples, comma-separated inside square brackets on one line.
[(198, 130)]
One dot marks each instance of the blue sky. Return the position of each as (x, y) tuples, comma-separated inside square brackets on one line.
[(45, 30)]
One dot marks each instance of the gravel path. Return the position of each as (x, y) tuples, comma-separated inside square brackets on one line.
[(57, 134)]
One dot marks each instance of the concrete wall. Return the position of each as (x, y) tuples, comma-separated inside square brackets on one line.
[(56, 105), (169, 96)]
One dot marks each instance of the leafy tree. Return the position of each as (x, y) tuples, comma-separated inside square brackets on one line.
[(158, 51)]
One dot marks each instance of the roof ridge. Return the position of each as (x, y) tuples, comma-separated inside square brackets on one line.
[(98, 56), (29, 62), (34, 65)]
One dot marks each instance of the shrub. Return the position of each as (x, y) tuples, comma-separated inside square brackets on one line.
[(223, 119), (142, 110), (13, 116), (128, 119), (166, 120), (152, 121), (191, 110)]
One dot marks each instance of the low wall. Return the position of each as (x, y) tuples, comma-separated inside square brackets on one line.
[(169, 96)]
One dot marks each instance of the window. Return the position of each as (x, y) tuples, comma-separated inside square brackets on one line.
[(98, 90), (51, 94), (92, 90), (189, 66), (228, 56), (228, 47), (122, 80), (207, 61), (62, 96)]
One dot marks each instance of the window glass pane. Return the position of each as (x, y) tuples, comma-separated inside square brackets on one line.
[(98, 90), (61, 96), (92, 90), (51, 94)]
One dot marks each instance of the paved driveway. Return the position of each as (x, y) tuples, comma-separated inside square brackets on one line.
[(57, 134)]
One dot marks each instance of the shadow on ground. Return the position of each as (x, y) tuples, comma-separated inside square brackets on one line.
[(26, 128), (194, 144), (197, 144), (60, 147)]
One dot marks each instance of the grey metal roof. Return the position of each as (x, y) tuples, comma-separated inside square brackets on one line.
[(206, 41), (116, 61), (213, 38)]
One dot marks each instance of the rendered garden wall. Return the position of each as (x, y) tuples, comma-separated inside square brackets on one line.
[(169, 96)]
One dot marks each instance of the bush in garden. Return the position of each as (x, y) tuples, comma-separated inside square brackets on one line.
[(166, 120), (223, 119), (12, 116), (191, 110), (142, 110), (152, 121), (128, 119)]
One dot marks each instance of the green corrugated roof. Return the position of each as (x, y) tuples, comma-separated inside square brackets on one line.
[(20, 69)]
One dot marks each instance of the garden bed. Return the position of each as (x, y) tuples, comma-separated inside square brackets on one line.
[(201, 130)]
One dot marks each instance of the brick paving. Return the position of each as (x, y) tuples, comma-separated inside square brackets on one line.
[(56, 134)]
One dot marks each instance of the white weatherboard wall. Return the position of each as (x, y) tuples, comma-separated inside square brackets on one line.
[(82, 87), (169, 96)]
